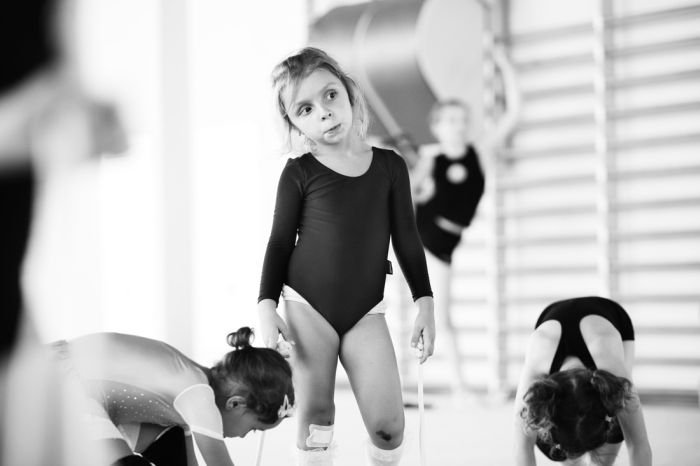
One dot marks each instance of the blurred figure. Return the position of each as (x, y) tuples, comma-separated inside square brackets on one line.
[(448, 183), (27, 51), (42, 111), (575, 399), (147, 403)]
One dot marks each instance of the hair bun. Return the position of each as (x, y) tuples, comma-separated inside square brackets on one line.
[(241, 338)]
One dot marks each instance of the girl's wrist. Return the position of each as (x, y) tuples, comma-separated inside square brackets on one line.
[(425, 303), (267, 305)]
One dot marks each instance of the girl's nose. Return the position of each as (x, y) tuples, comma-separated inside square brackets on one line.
[(325, 114)]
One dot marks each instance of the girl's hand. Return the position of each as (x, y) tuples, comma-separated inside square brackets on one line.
[(271, 326), (284, 348), (424, 327)]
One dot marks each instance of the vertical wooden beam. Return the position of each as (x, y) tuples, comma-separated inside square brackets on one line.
[(602, 44), (176, 153), (497, 354)]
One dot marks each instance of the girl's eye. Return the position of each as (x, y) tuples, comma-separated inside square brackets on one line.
[(332, 94), (305, 110)]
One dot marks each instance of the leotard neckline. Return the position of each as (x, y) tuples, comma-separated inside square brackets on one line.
[(369, 168)]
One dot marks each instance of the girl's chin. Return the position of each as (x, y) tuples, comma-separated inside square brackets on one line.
[(335, 136)]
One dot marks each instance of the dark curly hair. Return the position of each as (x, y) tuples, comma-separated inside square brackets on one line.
[(574, 411), (264, 374)]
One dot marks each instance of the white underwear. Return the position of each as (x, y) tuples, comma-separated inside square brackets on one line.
[(288, 294)]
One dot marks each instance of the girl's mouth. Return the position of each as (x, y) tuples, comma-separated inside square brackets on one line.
[(333, 129)]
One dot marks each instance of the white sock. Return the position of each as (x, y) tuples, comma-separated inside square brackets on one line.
[(378, 457), (317, 457)]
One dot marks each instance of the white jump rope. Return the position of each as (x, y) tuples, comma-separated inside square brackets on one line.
[(261, 442), (421, 405)]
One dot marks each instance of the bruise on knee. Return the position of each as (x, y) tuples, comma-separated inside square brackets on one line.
[(383, 435)]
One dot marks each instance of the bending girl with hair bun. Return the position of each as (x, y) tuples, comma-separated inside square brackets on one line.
[(338, 205), (148, 402), (575, 399)]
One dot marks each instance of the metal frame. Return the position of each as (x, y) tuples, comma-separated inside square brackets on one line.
[(606, 150), (498, 379)]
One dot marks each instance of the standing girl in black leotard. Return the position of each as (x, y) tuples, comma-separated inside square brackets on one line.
[(448, 183), (337, 207), (575, 397)]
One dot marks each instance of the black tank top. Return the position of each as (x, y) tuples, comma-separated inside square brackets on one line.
[(459, 185), (569, 314)]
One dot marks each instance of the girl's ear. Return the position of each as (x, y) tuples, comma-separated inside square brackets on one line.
[(235, 401)]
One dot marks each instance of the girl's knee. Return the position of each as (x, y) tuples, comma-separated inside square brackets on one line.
[(387, 434)]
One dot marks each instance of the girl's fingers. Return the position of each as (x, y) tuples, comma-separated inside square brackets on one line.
[(429, 344), (426, 345), (284, 348), (284, 330), (415, 336)]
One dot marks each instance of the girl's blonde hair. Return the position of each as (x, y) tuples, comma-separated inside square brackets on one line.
[(293, 69)]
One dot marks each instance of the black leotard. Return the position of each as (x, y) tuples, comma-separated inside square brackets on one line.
[(456, 199), (569, 314), (571, 343), (339, 262)]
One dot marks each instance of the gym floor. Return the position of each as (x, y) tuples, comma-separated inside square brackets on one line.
[(476, 434)]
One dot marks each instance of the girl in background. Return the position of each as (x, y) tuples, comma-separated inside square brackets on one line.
[(448, 182), (337, 207), (575, 399)]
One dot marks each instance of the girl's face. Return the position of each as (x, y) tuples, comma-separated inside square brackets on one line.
[(320, 108), (238, 422), (452, 125)]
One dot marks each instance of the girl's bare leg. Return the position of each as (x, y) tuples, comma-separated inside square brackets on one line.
[(441, 279), (314, 361), (367, 354)]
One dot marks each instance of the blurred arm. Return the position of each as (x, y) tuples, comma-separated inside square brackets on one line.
[(508, 120)]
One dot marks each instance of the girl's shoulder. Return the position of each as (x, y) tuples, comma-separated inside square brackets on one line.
[(388, 154), (182, 370), (388, 158), (296, 166), (298, 160)]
